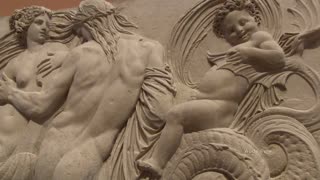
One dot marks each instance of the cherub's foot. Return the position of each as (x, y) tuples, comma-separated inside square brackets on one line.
[(149, 169)]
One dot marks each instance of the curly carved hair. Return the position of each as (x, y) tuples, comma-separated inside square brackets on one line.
[(22, 18), (234, 5)]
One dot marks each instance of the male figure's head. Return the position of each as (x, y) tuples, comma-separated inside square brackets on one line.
[(91, 16), (100, 21), (236, 21)]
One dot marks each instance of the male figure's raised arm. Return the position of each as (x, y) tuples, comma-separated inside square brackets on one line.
[(40, 105)]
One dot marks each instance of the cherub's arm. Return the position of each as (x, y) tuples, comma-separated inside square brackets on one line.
[(267, 54), (38, 105), (306, 40), (310, 36)]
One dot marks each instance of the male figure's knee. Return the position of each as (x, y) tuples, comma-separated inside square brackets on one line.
[(175, 116)]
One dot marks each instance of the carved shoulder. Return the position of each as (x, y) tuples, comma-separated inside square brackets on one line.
[(264, 40), (56, 47), (85, 50), (261, 36), (89, 47), (86, 56), (73, 56), (150, 52), (156, 53)]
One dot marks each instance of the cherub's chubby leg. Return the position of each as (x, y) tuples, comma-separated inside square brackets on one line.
[(81, 163), (191, 116)]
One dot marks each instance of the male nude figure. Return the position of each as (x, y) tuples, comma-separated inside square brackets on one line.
[(97, 96), (220, 90)]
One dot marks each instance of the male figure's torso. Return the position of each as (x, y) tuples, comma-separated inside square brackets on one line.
[(102, 96)]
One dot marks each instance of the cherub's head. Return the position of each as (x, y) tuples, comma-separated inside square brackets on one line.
[(236, 21), (31, 23)]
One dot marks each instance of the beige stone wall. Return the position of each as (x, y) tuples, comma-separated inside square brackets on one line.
[(4, 28)]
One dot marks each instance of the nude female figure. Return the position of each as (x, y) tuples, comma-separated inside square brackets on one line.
[(31, 27), (29, 70)]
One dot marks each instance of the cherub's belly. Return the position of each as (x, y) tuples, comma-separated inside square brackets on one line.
[(222, 85)]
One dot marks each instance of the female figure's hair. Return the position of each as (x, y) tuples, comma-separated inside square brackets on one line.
[(234, 5), (14, 42), (21, 20), (104, 22)]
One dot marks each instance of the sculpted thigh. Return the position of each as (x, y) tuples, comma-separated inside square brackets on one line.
[(12, 127), (199, 115), (53, 146), (81, 163)]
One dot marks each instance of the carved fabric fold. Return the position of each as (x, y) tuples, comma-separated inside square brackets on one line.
[(137, 140)]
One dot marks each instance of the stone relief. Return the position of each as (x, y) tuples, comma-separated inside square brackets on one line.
[(85, 97)]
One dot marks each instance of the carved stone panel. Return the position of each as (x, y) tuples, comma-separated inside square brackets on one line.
[(170, 89)]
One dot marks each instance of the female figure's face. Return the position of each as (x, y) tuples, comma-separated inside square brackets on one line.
[(238, 26), (39, 28)]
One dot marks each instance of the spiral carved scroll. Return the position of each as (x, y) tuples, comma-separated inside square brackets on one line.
[(290, 149), (217, 151)]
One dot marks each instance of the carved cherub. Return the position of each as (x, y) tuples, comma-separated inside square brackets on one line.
[(220, 91)]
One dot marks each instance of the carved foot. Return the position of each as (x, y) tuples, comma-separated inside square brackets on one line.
[(149, 170)]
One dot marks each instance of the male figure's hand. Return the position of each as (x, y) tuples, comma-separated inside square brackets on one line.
[(51, 63)]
